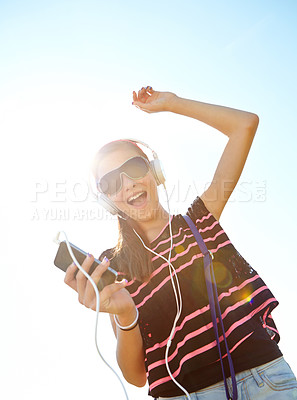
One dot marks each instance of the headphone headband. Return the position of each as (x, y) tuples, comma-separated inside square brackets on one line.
[(143, 144)]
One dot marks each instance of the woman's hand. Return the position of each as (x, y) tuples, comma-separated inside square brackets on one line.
[(150, 101), (114, 298)]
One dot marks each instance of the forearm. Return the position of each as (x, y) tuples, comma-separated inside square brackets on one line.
[(130, 353), (227, 120)]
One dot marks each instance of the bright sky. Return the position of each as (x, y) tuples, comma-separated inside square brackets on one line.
[(67, 71)]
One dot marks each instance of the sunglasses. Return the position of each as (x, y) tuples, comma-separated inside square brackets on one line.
[(135, 168)]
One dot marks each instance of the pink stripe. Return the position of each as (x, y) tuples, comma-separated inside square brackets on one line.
[(178, 254), (273, 329), (180, 344), (188, 356), (211, 239), (173, 259), (171, 217), (236, 345), (249, 316), (177, 270), (178, 328), (167, 240), (199, 312), (220, 246), (196, 333), (244, 301), (204, 218), (265, 316), (208, 228), (158, 270), (162, 266), (265, 324), (188, 229), (235, 288), (157, 288), (211, 345)]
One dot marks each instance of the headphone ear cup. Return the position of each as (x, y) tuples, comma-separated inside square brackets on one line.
[(157, 171), (104, 201)]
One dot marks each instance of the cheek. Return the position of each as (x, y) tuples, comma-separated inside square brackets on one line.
[(118, 198), (150, 183)]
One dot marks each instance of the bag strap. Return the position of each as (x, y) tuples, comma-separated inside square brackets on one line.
[(214, 305)]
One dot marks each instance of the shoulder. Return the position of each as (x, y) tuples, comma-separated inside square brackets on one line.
[(198, 209), (213, 206)]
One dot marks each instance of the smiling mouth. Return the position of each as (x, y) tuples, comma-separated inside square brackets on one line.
[(137, 199)]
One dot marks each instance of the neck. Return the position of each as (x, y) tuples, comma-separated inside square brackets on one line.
[(153, 226)]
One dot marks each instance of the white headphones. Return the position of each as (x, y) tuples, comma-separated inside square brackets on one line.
[(155, 166)]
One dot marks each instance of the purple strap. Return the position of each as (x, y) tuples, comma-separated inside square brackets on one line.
[(214, 305)]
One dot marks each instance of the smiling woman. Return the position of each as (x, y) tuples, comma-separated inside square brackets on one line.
[(154, 310), (124, 175)]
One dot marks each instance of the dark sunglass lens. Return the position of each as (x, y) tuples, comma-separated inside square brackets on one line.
[(110, 183), (136, 168)]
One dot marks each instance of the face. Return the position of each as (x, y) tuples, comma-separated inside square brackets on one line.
[(137, 198)]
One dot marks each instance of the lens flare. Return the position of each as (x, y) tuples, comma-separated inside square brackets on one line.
[(222, 274), (179, 249), (247, 296)]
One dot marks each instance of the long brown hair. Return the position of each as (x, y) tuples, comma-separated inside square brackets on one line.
[(128, 256)]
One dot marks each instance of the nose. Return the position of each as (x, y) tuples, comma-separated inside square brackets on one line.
[(127, 182)]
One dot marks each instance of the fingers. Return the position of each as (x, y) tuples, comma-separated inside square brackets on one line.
[(143, 94), (77, 280), (89, 293), (149, 90), (70, 279), (81, 280), (106, 294), (134, 96), (109, 290)]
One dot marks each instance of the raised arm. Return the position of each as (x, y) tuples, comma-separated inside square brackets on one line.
[(239, 126)]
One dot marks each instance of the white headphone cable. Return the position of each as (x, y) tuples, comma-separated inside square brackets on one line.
[(180, 305), (97, 307), (178, 298)]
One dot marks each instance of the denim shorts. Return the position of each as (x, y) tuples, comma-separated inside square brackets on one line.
[(271, 381)]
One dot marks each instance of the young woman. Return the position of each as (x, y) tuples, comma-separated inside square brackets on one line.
[(143, 305)]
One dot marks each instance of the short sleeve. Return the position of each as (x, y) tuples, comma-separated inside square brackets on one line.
[(197, 210)]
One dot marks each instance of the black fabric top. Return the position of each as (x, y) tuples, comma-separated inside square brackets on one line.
[(245, 302)]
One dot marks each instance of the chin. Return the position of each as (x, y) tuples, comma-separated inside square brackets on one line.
[(142, 214)]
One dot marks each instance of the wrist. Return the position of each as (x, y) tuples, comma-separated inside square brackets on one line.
[(173, 104), (128, 327), (127, 317)]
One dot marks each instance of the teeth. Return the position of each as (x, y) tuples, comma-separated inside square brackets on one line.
[(135, 196)]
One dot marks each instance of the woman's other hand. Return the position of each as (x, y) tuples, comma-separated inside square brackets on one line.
[(150, 101), (114, 298)]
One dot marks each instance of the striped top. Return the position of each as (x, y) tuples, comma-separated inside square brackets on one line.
[(245, 301)]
